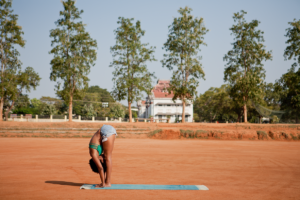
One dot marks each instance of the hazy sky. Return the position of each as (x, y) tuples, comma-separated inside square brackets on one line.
[(37, 18)]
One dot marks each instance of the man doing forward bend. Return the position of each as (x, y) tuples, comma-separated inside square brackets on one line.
[(101, 147)]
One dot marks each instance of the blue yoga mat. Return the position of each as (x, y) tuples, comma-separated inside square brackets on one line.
[(145, 187)]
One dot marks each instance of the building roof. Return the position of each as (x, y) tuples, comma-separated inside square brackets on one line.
[(160, 89)]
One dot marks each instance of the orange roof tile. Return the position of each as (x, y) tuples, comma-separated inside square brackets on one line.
[(159, 90)]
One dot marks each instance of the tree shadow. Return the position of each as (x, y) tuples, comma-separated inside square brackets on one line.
[(64, 183)]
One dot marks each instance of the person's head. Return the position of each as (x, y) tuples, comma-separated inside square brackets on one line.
[(94, 166)]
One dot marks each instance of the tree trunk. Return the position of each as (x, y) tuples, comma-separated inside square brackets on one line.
[(183, 111), (259, 119), (245, 113), (1, 108), (8, 110), (129, 111), (70, 109)]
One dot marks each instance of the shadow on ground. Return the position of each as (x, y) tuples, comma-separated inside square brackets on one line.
[(64, 183)]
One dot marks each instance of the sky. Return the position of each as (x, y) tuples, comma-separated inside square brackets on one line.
[(37, 18)]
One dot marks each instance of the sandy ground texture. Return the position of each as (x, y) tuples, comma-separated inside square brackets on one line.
[(55, 168)]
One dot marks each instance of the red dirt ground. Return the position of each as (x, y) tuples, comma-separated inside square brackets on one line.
[(234, 131), (55, 168)]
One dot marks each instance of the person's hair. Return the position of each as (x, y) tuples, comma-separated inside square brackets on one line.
[(94, 166)]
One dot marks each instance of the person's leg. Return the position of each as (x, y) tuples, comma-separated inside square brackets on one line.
[(107, 149), (95, 156)]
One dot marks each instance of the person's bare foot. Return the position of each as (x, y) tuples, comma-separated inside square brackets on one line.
[(107, 185), (100, 185)]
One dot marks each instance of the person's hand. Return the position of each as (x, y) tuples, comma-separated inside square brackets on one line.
[(101, 159)]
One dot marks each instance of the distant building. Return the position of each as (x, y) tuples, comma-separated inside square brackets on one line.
[(159, 105)]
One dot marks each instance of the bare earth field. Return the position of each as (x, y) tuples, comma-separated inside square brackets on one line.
[(280, 132), (36, 166)]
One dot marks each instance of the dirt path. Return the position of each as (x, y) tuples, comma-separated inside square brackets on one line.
[(55, 168)]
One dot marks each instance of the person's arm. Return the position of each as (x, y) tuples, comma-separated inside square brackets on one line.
[(108, 148), (95, 157)]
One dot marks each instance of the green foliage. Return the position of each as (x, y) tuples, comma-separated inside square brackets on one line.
[(184, 40), (293, 50), (262, 135), (272, 96), (35, 103), (12, 79), (152, 133), (88, 110), (22, 101), (49, 109), (289, 88), (130, 76), (244, 69), (104, 95), (117, 110), (288, 85), (94, 95), (26, 110), (187, 133), (275, 119), (215, 104), (74, 53)]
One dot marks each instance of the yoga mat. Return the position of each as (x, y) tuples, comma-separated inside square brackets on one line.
[(145, 187)]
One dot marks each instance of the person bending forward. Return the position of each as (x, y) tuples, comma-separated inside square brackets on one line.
[(101, 147)]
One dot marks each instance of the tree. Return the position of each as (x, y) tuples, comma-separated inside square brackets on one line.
[(244, 69), (289, 83), (271, 97), (74, 54), (293, 50), (88, 110), (117, 110), (215, 104), (184, 39), (23, 80), (93, 95), (35, 103), (289, 88), (131, 76), (10, 35), (104, 95), (49, 109)]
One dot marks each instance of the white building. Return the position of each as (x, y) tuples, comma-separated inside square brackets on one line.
[(159, 105)]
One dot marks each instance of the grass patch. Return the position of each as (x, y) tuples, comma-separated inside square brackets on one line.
[(292, 126), (76, 136), (152, 133), (294, 137), (4, 135), (187, 133), (262, 135), (201, 134), (87, 136), (34, 136), (285, 135)]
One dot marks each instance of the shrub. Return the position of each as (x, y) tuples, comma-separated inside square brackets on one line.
[(262, 135), (187, 133)]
